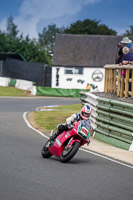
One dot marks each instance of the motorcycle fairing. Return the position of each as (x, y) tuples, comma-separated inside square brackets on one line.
[(58, 146), (59, 143), (83, 132)]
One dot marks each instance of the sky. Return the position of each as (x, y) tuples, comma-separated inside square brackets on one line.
[(31, 16)]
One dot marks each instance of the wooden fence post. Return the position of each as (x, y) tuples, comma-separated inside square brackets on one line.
[(114, 81), (132, 85), (127, 83), (119, 82), (105, 81), (122, 87)]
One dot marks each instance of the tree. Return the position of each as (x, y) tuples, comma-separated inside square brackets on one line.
[(31, 50), (47, 37), (129, 32), (11, 28), (3, 42), (12, 43), (89, 27)]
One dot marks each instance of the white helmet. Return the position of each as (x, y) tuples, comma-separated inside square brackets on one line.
[(85, 112)]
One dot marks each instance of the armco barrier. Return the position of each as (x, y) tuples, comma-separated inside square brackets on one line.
[(111, 120)]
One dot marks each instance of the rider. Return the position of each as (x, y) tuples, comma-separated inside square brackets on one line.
[(83, 115)]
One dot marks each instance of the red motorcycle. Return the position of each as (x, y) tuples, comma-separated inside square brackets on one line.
[(67, 143)]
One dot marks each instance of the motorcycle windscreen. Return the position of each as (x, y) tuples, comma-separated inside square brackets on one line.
[(84, 128)]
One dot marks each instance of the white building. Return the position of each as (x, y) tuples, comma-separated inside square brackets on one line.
[(80, 59), (77, 77)]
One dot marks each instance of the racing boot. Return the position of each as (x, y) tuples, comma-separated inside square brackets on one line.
[(61, 128)]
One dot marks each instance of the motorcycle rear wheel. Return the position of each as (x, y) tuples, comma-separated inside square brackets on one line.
[(45, 152), (65, 157)]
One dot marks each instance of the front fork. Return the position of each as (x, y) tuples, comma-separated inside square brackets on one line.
[(71, 141)]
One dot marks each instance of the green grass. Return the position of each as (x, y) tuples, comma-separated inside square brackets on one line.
[(48, 120), (11, 91)]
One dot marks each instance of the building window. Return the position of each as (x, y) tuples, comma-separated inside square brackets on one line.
[(73, 70), (68, 70)]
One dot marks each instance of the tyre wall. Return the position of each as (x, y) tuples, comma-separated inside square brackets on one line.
[(111, 120)]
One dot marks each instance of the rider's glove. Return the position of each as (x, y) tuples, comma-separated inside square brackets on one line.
[(70, 126)]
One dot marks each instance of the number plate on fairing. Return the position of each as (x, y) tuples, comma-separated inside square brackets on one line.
[(83, 132)]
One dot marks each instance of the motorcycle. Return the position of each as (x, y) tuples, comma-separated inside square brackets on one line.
[(66, 145)]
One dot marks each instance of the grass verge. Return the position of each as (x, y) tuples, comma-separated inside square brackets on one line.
[(12, 91), (47, 120)]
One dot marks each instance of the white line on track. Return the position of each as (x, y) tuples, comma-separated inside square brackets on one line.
[(107, 158), (85, 150), (29, 125)]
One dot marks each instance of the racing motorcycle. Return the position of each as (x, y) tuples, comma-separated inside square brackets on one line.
[(66, 145)]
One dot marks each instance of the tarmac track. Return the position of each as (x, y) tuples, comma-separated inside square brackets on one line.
[(25, 175)]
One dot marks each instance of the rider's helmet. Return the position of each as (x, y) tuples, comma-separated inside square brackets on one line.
[(85, 112)]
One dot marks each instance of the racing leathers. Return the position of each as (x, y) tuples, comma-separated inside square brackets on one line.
[(67, 126)]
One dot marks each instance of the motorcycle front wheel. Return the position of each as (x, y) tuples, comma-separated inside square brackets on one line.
[(45, 152), (68, 153)]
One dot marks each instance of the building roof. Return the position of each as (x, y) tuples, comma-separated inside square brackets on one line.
[(85, 50), (18, 56)]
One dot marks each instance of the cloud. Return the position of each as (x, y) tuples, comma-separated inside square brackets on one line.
[(34, 14), (121, 31), (52, 8)]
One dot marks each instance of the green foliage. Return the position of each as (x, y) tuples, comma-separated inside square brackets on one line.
[(30, 49), (33, 52), (89, 27), (129, 32), (11, 28), (47, 37)]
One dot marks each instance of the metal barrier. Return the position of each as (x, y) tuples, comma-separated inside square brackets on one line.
[(111, 120)]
